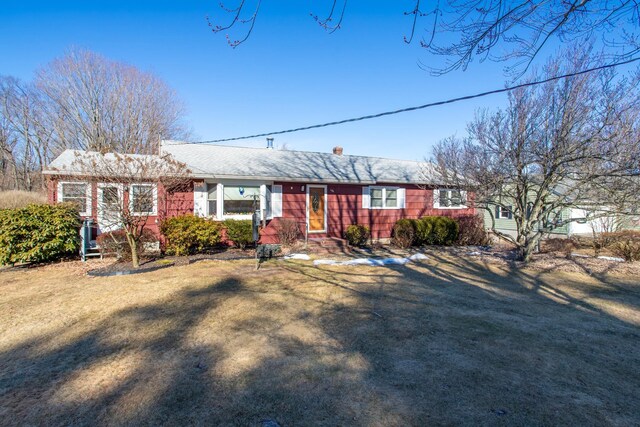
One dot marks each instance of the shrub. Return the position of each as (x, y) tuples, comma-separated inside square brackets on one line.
[(471, 231), (445, 231), (357, 235), (188, 234), (239, 232), (404, 233), (558, 244), (38, 233), (626, 244), (439, 230), (288, 231), (424, 231), (115, 242)]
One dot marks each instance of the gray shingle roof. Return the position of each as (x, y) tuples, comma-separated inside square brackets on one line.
[(227, 162), (219, 161)]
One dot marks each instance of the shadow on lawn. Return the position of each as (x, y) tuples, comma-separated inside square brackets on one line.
[(431, 343)]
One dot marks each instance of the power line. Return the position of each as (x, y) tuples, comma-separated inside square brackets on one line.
[(418, 107)]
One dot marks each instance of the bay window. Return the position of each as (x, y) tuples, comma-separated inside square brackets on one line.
[(239, 199)]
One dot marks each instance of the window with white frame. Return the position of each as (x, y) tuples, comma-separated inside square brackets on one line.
[(383, 197), (503, 212), (212, 199), (143, 199), (239, 199), (450, 198), (77, 193)]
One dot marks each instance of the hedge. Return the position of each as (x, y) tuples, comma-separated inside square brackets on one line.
[(429, 230), (39, 233), (189, 234)]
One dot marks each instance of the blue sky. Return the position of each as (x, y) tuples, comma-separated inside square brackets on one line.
[(289, 73)]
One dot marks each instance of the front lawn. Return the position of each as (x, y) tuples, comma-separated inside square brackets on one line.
[(445, 341)]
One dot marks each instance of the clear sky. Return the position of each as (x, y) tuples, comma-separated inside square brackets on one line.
[(289, 73)]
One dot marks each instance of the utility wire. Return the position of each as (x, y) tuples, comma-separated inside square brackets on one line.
[(418, 107)]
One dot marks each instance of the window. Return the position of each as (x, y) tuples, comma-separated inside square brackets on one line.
[(503, 212), (239, 200), (142, 198), (212, 199), (78, 194), (385, 197), (450, 198)]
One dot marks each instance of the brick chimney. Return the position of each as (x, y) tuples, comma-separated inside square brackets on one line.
[(337, 150)]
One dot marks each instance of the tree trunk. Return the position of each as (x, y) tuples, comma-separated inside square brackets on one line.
[(134, 250), (527, 248)]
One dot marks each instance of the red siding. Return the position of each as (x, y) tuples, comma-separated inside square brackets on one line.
[(169, 204), (344, 207)]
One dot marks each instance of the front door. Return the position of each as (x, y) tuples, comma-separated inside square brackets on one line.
[(316, 209), (109, 207)]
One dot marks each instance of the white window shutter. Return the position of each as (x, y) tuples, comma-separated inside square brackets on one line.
[(436, 198), (200, 199), (276, 201), (401, 198), (366, 197), (265, 202)]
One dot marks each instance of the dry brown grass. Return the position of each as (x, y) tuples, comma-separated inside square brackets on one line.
[(19, 199), (447, 341)]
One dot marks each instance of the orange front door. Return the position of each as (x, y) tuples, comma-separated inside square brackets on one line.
[(315, 210)]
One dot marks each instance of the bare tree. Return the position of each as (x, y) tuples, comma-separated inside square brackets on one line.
[(130, 189), (81, 101), (93, 103), (464, 30), (567, 143), (26, 133)]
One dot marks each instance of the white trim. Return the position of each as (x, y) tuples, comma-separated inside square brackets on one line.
[(276, 201), (384, 189), (436, 199), (366, 197), (501, 214), (326, 204), (154, 189), (200, 199), (100, 215), (89, 199)]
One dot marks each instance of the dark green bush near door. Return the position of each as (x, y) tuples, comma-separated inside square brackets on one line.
[(357, 235), (39, 233), (430, 230)]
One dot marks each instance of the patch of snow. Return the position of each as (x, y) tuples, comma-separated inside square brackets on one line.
[(418, 257), (580, 255), (298, 256), (373, 262), (611, 258), (474, 253)]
